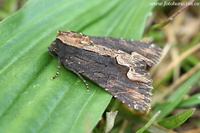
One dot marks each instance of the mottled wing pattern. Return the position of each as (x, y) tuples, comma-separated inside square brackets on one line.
[(106, 72), (150, 51), (122, 73)]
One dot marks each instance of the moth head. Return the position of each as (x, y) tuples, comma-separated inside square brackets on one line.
[(53, 50), (73, 38)]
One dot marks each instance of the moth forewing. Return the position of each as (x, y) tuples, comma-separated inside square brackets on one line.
[(117, 65)]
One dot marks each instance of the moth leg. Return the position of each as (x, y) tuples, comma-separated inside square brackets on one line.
[(79, 75), (58, 70)]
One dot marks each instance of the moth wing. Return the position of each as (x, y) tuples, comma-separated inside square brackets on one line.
[(110, 75), (150, 52)]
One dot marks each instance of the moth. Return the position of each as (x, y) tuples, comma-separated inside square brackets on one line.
[(117, 65)]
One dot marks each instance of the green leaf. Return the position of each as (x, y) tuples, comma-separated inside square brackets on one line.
[(30, 101), (150, 122), (176, 97), (191, 101), (176, 120)]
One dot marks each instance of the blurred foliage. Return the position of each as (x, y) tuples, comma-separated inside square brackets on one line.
[(8, 7)]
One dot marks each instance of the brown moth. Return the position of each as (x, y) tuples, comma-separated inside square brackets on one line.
[(117, 65)]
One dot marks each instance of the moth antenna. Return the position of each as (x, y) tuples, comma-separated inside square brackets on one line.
[(81, 77), (58, 70)]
